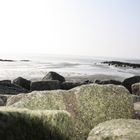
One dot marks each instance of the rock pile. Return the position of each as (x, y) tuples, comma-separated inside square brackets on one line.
[(89, 105), (56, 109)]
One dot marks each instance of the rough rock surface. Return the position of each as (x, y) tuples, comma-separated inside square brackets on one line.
[(136, 89), (137, 110), (22, 82), (24, 124), (14, 98), (136, 98), (69, 85), (114, 82), (8, 88), (5, 82), (3, 100), (88, 104), (53, 76), (45, 85), (130, 81), (119, 129)]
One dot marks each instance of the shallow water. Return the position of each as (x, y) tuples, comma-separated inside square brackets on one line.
[(40, 64)]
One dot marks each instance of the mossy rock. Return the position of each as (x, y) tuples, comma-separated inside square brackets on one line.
[(119, 129), (88, 104), (24, 124), (137, 110)]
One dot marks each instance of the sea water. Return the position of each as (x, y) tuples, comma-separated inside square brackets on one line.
[(40, 64)]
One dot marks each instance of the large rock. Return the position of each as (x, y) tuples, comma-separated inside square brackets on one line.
[(137, 110), (120, 129), (11, 99), (45, 85), (23, 124), (136, 89), (8, 88), (114, 82), (69, 85), (3, 100), (130, 81), (88, 104), (136, 98), (5, 82), (2, 103), (22, 82), (53, 76)]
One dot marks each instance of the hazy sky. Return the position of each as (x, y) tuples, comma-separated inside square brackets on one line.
[(83, 27)]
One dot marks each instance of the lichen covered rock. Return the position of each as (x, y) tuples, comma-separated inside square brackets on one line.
[(136, 98), (137, 110), (136, 89), (119, 129), (24, 124), (88, 104)]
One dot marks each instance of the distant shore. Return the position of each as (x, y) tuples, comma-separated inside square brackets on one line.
[(9, 60), (122, 64)]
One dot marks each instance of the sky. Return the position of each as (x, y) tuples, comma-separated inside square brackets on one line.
[(76, 27)]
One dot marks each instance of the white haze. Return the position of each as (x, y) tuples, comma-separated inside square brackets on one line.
[(78, 27)]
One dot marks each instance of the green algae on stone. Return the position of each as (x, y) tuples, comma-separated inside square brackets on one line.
[(88, 104), (24, 124), (119, 129), (38, 100), (101, 103)]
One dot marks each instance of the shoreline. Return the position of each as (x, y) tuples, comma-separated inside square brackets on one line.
[(94, 77), (79, 78), (82, 78), (73, 70)]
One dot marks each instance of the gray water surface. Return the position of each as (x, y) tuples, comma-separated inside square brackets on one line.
[(40, 64)]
